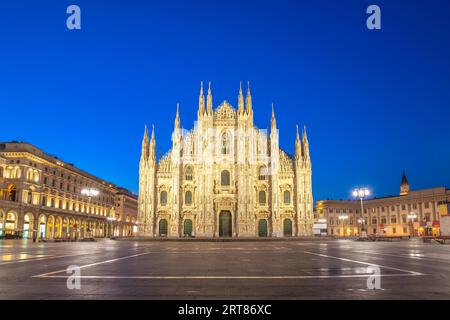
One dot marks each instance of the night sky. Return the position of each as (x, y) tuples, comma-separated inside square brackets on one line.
[(374, 102)]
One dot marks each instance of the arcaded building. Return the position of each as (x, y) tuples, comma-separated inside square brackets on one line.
[(225, 178), (42, 196)]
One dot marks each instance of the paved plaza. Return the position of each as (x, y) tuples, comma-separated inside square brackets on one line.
[(296, 269)]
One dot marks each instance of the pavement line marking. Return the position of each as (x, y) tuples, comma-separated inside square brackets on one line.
[(366, 263), (91, 264), (231, 277)]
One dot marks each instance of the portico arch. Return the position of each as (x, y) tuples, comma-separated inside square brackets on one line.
[(28, 222)]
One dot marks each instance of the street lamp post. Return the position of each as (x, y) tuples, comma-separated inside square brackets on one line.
[(411, 217), (89, 192), (343, 218), (361, 193)]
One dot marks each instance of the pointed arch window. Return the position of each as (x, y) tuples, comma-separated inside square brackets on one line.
[(262, 197), (262, 174), (226, 143), (163, 198), (188, 173), (287, 197), (188, 198), (225, 178)]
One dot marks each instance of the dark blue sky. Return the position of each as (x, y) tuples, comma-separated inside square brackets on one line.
[(374, 102)]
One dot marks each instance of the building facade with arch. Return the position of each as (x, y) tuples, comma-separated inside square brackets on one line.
[(225, 178), (40, 196)]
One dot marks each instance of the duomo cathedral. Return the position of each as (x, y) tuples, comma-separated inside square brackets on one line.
[(225, 178)]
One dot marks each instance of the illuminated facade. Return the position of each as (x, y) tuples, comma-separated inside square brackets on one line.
[(412, 213), (225, 178), (40, 195)]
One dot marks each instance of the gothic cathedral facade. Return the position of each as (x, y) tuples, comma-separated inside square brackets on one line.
[(225, 178)]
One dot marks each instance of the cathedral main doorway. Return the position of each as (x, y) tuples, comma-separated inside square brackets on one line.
[(262, 228), (225, 224)]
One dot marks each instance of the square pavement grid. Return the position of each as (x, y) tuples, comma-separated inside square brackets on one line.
[(303, 269)]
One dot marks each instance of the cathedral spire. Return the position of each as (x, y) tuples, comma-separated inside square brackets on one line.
[(209, 100), (144, 150), (240, 100), (177, 117), (305, 144), (298, 145), (248, 100), (201, 101), (273, 121), (152, 151)]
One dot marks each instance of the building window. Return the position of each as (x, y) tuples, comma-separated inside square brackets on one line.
[(392, 208), (405, 230), (225, 178), (163, 198), (427, 205), (383, 220), (44, 200), (382, 209), (374, 220), (262, 197), (188, 173), (188, 198), (287, 197), (415, 206), (404, 218), (394, 230), (262, 173), (393, 219), (403, 207), (226, 143)]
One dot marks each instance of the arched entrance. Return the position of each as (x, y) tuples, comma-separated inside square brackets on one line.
[(28, 226), (262, 228), (2, 217), (58, 227), (287, 227), (10, 223), (188, 227), (50, 227), (42, 226), (163, 227), (225, 229), (71, 230)]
